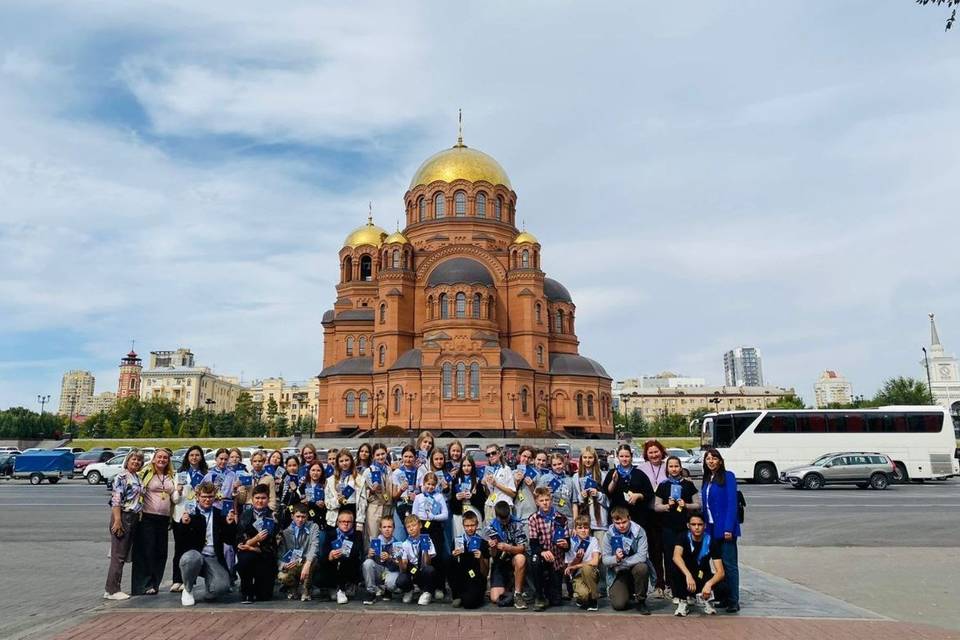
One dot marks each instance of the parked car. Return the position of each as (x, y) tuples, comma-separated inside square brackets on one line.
[(863, 469), (44, 465), (694, 465), (106, 471), (683, 454), (89, 457), (73, 450), (7, 460), (9, 450), (479, 457)]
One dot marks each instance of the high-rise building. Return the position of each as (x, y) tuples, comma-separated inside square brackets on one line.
[(76, 389), (296, 401), (742, 367), (943, 372), (831, 388), (130, 369)]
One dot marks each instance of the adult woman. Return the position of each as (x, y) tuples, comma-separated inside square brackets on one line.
[(404, 489), (656, 471), (191, 473), (375, 483), (364, 457), (628, 487), (468, 494), (125, 506), (150, 538), (424, 447), (720, 508), (341, 491), (524, 506), (677, 499)]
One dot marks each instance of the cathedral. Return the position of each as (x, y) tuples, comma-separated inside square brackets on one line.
[(451, 324)]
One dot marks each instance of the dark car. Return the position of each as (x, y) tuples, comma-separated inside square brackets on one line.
[(602, 455), (6, 464), (83, 459)]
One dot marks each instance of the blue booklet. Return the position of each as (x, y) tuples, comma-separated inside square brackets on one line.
[(559, 532), (196, 477), (578, 544), (317, 494), (183, 478), (328, 470), (343, 543), (226, 506), (676, 491), (377, 547), (265, 524), (376, 477), (616, 542), (531, 472), (447, 478), (555, 484), (270, 469), (293, 555), (190, 506), (472, 543), (246, 480), (346, 491), (589, 483), (465, 486), (424, 544)]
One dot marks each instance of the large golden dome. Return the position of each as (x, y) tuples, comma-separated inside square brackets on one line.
[(367, 234), (460, 162)]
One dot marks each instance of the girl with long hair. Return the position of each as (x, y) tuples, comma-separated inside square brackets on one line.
[(342, 489), (376, 491), (192, 470), (677, 499)]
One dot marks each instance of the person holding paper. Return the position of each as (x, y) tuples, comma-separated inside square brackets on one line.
[(313, 491), (257, 548), (468, 495), (308, 455), (341, 568), (235, 461), (583, 564), (468, 565), (221, 477), (624, 552), (291, 491), (430, 507), (525, 477), (424, 447), (498, 479), (547, 535), (593, 502), (676, 499), (655, 468), (125, 506), (719, 489), (341, 490), (381, 569), (454, 455), (150, 537), (699, 562), (207, 531), (375, 494), (628, 487), (416, 563), (299, 546), (331, 467), (404, 489), (562, 487), (192, 470), (258, 475), (507, 537)]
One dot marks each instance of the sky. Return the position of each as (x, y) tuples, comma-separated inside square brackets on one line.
[(779, 175)]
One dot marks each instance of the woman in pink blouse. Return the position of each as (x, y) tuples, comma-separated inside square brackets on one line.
[(150, 539), (654, 466)]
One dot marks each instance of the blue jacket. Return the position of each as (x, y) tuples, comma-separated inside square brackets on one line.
[(722, 504)]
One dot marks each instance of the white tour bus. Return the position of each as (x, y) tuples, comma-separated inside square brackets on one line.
[(757, 445)]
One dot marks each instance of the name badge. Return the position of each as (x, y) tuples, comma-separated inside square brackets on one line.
[(561, 502), (413, 571), (426, 525), (700, 573), (472, 573)]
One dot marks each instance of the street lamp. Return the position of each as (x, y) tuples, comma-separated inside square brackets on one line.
[(715, 400), (43, 400), (209, 402), (513, 398), (926, 364), (411, 396), (376, 410)]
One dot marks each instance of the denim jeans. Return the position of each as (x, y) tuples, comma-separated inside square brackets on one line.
[(731, 569)]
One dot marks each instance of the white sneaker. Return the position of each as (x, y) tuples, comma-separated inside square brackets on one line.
[(681, 609), (676, 601), (186, 598), (408, 597), (176, 587), (341, 597), (119, 595), (424, 599), (709, 609), (378, 593), (658, 593)]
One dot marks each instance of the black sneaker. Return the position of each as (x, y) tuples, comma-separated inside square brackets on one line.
[(642, 607), (247, 600), (592, 605), (519, 600), (369, 597), (733, 608)]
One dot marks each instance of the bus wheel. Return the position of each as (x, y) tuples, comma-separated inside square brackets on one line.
[(900, 473), (813, 481), (765, 473)]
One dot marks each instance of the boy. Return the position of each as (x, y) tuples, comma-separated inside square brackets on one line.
[(381, 569), (507, 538), (547, 534), (342, 566), (299, 546), (625, 555), (583, 562), (416, 555), (468, 565), (206, 531), (699, 561), (561, 486), (431, 507), (498, 479), (257, 548)]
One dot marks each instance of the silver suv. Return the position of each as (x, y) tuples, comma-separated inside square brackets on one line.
[(874, 470)]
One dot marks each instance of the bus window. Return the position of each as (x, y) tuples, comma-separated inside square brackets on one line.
[(723, 431), (925, 422), (855, 423), (876, 422), (812, 423), (836, 423)]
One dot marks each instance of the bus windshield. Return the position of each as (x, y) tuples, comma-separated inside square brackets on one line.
[(722, 431)]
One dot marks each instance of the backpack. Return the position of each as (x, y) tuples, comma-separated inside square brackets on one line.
[(741, 506)]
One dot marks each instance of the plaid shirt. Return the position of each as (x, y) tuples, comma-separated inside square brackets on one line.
[(541, 531)]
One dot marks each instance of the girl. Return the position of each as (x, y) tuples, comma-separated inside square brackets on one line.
[(720, 508), (525, 477), (430, 506), (150, 539), (677, 499), (376, 491), (628, 487), (258, 476), (424, 447), (364, 458), (291, 491), (192, 471), (125, 506), (313, 493), (404, 489), (454, 456), (221, 477), (308, 454), (341, 492), (593, 502), (655, 469), (275, 468), (438, 467), (469, 494), (331, 467), (235, 461)]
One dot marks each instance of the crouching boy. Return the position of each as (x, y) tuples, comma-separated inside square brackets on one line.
[(624, 553), (381, 569), (583, 562), (299, 546), (416, 563), (507, 538), (700, 567)]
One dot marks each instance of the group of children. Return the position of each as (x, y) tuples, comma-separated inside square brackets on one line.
[(376, 529)]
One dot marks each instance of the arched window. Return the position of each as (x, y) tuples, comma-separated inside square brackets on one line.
[(447, 381), (363, 345), (474, 381), (383, 312), (540, 355), (523, 400), (347, 269), (382, 358), (536, 260), (397, 399), (498, 208), (538, 312), (430, 308), (444, 307), (461, 381), (580, 404), (481, 205), (490, 308), (349, 345), (460, 204), (477, 302), (422, 209), (559, 324), (525, 259), (590, 406), (396, 258), (438, 206), (350, 401), (364, 403), (461, 308), (366, 268)]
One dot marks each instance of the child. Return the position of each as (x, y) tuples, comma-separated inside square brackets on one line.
[(548, 544), (583, 561), (676, 499), (299, 546), (342, 566), (562, 487), (468, 495), (593, 502), (341, 491), (206, 528), (404, 489), (313, 490), (290, 490), (525, 476), (430, 507), (468, 565), (257, 548), (625, 556), (699, 561), (375, 493), (507, 538), (416, 568), (381, 569), (498, 479)]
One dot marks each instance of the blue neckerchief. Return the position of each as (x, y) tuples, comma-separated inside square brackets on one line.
[(548, 515), (672, 480), (411, 476), (704, 549), (624, 471), (382, 468), (497, 527), (494, 467)]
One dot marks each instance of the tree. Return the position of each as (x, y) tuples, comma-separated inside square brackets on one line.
[(243, 413), (204, 429), (271, 409), (184, 430), (788, 402), (903, 390), (167, 430), (950, 4), (146, 431)]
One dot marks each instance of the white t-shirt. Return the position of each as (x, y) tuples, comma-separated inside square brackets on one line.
[(410, 551), (592, 547), (503, 477)]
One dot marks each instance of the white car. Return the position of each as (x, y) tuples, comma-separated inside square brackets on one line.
[(683, 454), (106, 471)]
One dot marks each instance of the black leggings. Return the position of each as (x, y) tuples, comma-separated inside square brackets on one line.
[(258, 572)]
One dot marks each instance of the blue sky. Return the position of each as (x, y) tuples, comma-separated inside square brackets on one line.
[(770, 174)]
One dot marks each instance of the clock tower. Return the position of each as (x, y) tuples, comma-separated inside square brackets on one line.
[(944, 371)]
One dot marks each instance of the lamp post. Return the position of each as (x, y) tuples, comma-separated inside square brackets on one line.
[(513, 398), (411, 396), (209, 402), (715, 400), (376, 410), (43, 400), (926, 364)]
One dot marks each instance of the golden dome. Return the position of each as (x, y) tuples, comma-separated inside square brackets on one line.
[(525, 236), (367, 234), (396, 238), (460, 162)]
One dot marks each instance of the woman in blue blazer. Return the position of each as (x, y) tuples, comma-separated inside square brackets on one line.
[(720, 510)]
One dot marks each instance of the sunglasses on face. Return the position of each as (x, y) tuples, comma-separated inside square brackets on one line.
[(491, 453)]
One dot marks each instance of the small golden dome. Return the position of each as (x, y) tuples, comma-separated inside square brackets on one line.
[(367, 234), (525, 236), (460, 162), (396, 238)]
